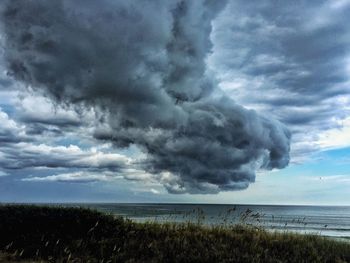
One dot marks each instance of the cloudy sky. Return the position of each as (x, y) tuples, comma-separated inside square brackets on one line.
[(175, 101)]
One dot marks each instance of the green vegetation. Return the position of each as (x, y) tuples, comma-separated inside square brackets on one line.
[(54, 234)]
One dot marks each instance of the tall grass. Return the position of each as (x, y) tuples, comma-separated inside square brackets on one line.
[(56, 234)]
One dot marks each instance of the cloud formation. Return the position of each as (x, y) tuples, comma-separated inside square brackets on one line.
[(141, 65), (27, 155), (10, 131), (75, 177), (20, 150), (289, 59)]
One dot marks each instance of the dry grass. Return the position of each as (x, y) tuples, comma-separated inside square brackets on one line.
[(81, 235)]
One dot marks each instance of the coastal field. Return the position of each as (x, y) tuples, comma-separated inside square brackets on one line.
[(330, 221), (56, 234)]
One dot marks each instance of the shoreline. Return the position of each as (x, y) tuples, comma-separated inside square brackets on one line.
[(59, 234)]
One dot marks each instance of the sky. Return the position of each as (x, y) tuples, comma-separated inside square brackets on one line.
[(207, 101)]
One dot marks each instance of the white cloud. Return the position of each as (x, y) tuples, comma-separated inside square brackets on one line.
[(3, 174), (8, 124), (29, 155), (10, 131), (154, 191), (76, 177), (336, 137), (41, 109), (338, 4)]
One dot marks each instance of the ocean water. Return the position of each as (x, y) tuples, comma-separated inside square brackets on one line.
[(331, 221)]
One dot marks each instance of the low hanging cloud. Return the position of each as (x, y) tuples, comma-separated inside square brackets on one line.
[(141, 65)]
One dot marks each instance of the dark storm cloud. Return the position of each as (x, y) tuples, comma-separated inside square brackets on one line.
[(58, 121), (142, 63)]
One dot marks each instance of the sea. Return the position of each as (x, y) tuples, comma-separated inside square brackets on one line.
[(330, 221)]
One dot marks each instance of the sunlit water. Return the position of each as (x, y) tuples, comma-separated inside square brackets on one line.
[(332, 221)]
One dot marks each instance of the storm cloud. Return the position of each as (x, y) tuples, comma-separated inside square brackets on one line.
[(142, 65)]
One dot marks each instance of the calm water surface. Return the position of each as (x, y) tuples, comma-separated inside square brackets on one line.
[(333, 221)]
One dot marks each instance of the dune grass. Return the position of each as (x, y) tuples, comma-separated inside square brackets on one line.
[(55, 234)]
